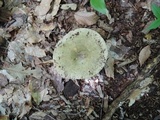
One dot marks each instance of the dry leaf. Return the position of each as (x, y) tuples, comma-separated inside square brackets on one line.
[(3, 80), (109, 67), (86, 18), (137, 93), (37, 116), (146, 4), (57, 80), (144, 54), (90, 110), (19, 72), (98, 87), (15, 49), (35, 51), (105, 104), (43, 8), (71, 6), (55, 7)]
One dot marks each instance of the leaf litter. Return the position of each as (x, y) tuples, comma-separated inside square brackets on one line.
[(31, 39)]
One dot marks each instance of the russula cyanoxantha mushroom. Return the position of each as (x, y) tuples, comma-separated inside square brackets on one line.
[(80, 54)]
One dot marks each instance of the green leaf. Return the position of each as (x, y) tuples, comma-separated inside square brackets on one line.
[(99, 5), (154, 25), (156, 10)]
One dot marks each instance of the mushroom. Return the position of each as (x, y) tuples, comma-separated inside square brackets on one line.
[(80, 54)]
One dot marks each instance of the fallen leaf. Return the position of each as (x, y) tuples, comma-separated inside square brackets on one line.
[(57, 80), (55, 7), (105, 26), (146, 4), (16, 96), (3, 80), (137, 93), (109, 67), (47, 27), (86, 18), (90, 110), (43, 8), (4, 117), (144, 54), (71, 6), (15, 49), (44, 95), (19, 72), (37, 115), (99, 89), (105, 104), (35, 51)]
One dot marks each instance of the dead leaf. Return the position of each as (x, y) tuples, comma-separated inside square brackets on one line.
[(90, 110), (109, 67), (71, 6), (43, 8), (4, 117), (35, 51), (105, 26), (16, 96), (15, 49), (3, 80), (86, 18), (105, 104), (37, 115), (99, 89), (57, 80), (54, 9), (146, 4), (19, 72), (137, 93), (144, 54)]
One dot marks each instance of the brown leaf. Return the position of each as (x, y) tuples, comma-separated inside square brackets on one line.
[(86, 18), (144, 54), (3, 80)]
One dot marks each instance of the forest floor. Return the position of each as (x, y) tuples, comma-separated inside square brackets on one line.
[(127, 88)]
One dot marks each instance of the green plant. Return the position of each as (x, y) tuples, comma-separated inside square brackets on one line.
[(99, 5), (156, 11)]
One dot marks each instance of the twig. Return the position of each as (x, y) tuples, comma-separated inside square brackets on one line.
[(146, 72)]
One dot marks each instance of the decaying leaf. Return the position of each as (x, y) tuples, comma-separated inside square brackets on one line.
[(71, 6), (16, 96), (86, 18), (15, 49), (105, 104), (109, 67), (37, 115), (3, 80), (19, 72), (55, 7), (35, 51), (90, 110), (144, 54), (137, 93), (43, 8), (146, 4), (57, 80), (39, 96)]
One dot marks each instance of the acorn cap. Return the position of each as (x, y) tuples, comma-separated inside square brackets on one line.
[(80, 54)]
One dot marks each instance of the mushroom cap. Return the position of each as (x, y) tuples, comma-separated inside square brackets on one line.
[(80, 54)]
